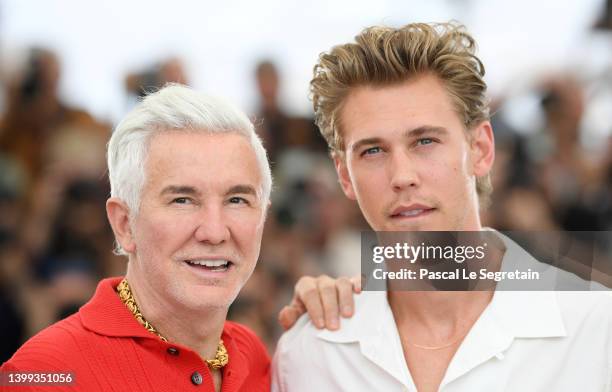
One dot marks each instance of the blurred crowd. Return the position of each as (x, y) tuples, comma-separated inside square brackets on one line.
[(55, 243)]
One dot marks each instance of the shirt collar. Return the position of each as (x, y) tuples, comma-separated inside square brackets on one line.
[(373, 327), (237, 370), (521, 314), (527, 314), (510, 315), (107, 315)]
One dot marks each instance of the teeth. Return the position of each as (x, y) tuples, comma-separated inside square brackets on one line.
[(411, 212), (210, 263)]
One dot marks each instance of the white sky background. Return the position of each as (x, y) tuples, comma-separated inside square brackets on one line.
[(98, 42)]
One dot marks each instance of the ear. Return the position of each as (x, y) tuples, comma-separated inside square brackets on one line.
[(118, 215), (344, 177), (482, 149)]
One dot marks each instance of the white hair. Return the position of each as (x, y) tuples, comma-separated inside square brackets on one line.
[(173, 108)]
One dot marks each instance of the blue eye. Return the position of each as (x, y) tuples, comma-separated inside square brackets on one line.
[(425, 141), (371, 151)]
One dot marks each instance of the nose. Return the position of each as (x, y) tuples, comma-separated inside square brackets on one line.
[(213, 227), (403, 171)]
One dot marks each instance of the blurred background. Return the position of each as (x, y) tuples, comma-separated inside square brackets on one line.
[(69, 70)]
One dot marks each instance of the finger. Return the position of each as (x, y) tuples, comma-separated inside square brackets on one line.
[(288, 316), (307, 295), (356, 281), (345, 296), (329, 299)]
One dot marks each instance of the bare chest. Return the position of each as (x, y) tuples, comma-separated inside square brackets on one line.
[(427, 367)]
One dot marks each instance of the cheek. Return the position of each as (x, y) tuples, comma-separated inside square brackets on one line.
[(455, 179), (449, 166), (163, 235), (247, 232), (373, 193), (369, 183)]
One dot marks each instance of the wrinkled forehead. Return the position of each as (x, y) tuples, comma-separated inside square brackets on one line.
[(201, 159)]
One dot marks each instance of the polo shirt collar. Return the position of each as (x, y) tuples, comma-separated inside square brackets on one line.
[(237, 370), (107, 315)]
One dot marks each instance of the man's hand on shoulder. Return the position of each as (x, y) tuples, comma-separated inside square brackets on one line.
[(323, 298)]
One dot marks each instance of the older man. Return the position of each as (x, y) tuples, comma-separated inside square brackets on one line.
[(190, 185), (405, 115)]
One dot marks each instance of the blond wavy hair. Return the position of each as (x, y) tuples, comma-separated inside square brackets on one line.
[(385, 56)]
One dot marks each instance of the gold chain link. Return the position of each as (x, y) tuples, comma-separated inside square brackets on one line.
[(123, 289)]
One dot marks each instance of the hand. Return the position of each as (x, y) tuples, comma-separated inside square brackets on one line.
[(321, 297)]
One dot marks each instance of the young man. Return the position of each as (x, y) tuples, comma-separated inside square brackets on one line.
[(405, 115)]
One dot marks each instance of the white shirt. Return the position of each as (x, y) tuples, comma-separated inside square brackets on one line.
[(523, 341)]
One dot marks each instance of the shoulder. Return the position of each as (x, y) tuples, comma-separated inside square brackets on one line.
[(591, 310), (308, 358), (304, 338), (587, 317), (55, 347), (304, 342), (302, 334), (291, 364), (296, 351)]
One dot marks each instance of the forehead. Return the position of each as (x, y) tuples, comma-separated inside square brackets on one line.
[(373, 111), (202, 160)]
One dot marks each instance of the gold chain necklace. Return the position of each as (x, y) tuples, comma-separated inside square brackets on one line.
[(447, 345), (435, 347), (123, 289)]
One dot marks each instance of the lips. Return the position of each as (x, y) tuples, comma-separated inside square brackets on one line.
[(210, 264), (411, 211)]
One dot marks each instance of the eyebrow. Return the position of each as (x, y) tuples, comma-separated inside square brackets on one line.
[(181, 189), (241, 189), (411, 133), (189, 190), (425, 129)]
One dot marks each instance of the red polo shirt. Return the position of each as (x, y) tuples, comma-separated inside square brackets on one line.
[(108, 350)]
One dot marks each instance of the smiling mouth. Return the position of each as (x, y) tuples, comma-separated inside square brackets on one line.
[(213, 265)]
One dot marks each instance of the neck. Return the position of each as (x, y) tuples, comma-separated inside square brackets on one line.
[(442, 312), (199, 330), (445, 314)]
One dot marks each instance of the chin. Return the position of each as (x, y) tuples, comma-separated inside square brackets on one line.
[(409, 226), (210, 297)]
